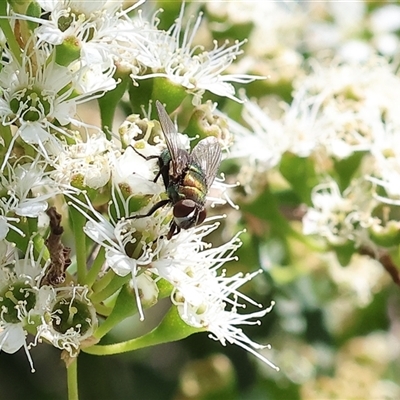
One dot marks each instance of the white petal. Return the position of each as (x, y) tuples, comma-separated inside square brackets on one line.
[(31, 208), (120, 263), (33, 133), (14, 338), (3, 228)]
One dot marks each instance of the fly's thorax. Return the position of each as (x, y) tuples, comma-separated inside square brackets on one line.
[(164, 161), (165, 158)]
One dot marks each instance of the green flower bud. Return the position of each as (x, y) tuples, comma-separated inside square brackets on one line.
[(385, 231), (204, 122), (385, 236), (169, 93), (33, 10), (68, 51)]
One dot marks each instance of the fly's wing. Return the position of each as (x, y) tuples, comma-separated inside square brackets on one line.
[(179, 156), (207, 155)]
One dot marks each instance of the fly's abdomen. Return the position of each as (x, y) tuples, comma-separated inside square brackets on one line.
[(193, 185)]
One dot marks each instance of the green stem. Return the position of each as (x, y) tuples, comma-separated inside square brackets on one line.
[(93, 273), (109, 290), (72, 380), (171, 328), (78, 222), (8, 32), (102, 310), (6, 134), (104, 281)]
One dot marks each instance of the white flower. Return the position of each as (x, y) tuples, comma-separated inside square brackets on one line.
[(384, 23), (385, 170), (204, 295), (222, 325), (346, 106), (27, 189), (70, 318), (171, 54), (263, 143), (133, 171), (189, 263), (19, 294), (99, 28), (30, 99), (88, 162), (259, 146), (340, 217), (126, 248), (37, 96)]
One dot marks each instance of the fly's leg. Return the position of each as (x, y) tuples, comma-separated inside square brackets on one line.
[(156, 206), (173, 230), (163, 168)]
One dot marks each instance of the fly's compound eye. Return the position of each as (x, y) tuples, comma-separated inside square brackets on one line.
[(185, 209), (187, 214)]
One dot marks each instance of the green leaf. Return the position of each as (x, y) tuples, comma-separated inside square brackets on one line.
[(346, 168), (344, 252), (171, 329), (300, 173), (124, 307)]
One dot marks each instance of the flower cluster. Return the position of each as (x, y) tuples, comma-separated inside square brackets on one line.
[(152, 158), (343, 120), (63, 174)]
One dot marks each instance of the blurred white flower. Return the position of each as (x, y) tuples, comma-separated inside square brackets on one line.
[(360, 279), (349, 104), (384, 23), (385, 172), (340, 217)]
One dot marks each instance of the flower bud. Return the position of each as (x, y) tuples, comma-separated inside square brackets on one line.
[(387, 235), (68, 51), (204, 122), (169, 93)]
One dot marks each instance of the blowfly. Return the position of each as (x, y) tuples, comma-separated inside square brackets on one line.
[(187, 176)]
